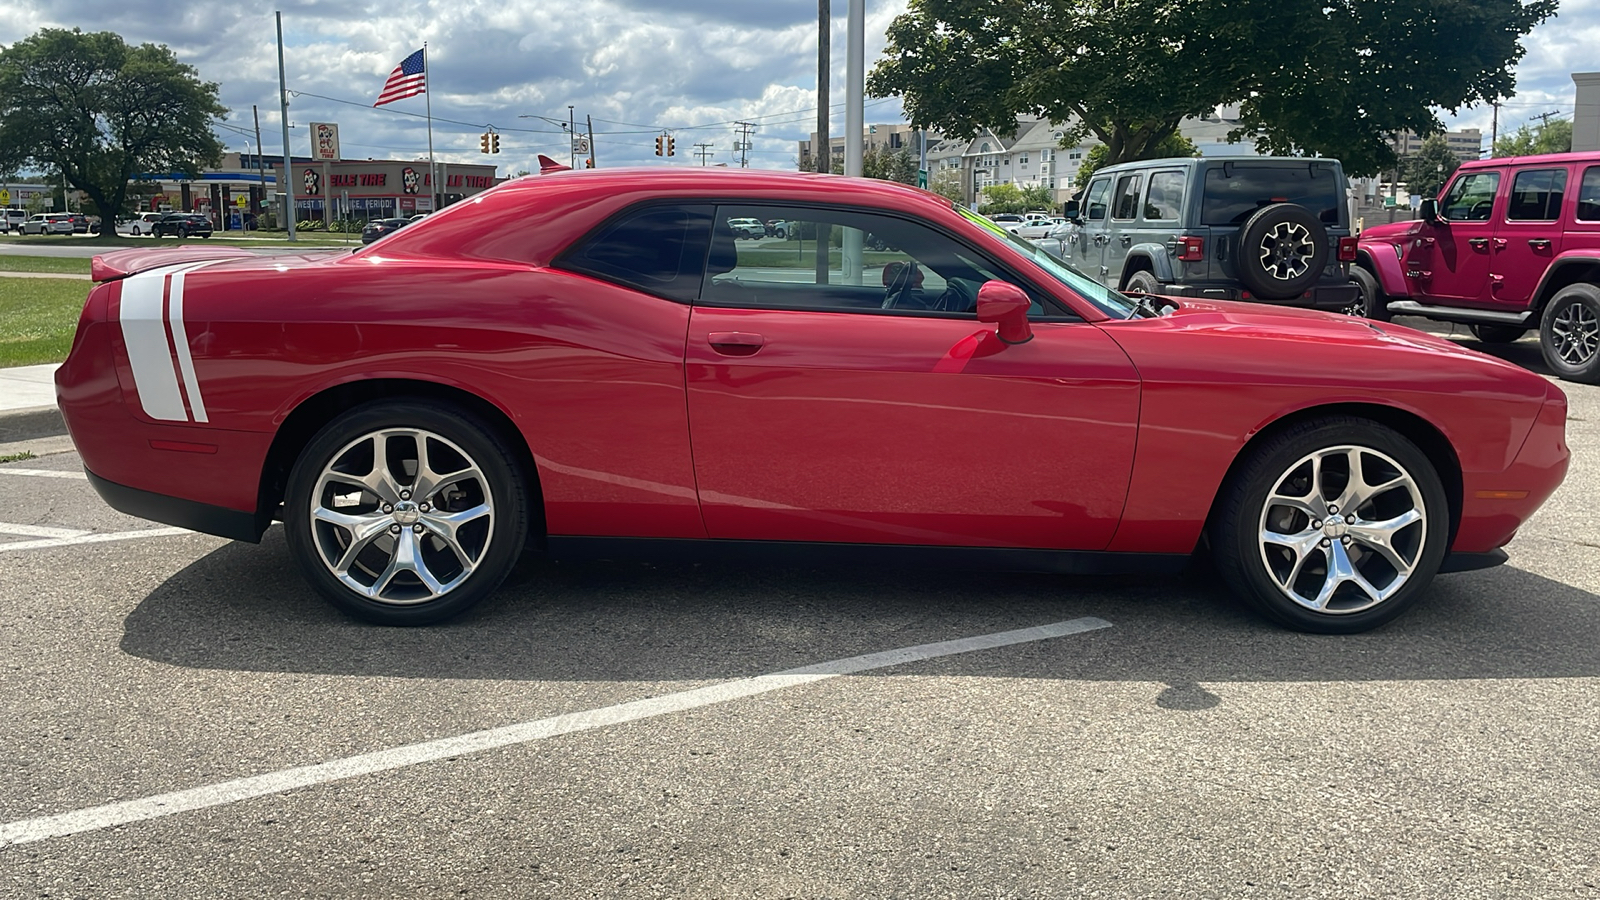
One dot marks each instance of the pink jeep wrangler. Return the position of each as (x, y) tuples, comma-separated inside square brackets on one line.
[(1510, 245)]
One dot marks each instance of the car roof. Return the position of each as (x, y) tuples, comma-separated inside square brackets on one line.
[(718, 183), (1547, 158)]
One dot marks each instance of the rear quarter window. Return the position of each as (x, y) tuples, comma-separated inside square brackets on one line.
[(660, 250)]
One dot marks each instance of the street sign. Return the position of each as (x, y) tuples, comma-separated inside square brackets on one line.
[(325, 141), (922, 178), (581, 145), (5, 197), (241, 201)]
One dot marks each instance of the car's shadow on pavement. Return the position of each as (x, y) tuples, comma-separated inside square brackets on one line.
[(244, 608)]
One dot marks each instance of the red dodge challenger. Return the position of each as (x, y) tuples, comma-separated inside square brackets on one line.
[(894, 380)]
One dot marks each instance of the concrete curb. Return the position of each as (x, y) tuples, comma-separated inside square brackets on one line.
[(30, 423)]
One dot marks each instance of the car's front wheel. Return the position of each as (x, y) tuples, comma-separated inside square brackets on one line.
[(1333, 526), (406, 513), (1371, 303)]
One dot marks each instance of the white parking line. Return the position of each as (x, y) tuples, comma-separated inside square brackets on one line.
[(29, 830), (85, 538), (43, 473), (40, 531)]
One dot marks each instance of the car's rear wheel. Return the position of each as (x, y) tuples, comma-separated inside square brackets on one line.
[(1569, 333), (1143, 282), (183, 231), (405, 513), (1497, 334), (1334, 526)]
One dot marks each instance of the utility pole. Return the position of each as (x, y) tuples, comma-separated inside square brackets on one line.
[(704, 152), (261, 165), (822, 153), (589, 121), (743, 144), (288, 163), (854, 125), (1494, 129), (1544, 118), (572, 139)]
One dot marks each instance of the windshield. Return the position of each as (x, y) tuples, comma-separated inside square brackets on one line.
[(1104, 299)]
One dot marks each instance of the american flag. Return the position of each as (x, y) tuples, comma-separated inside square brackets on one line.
[(408, 79)]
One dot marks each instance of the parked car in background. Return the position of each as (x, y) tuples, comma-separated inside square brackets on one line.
[(80, 223), (1510, 245), (417, 218), (183, 225), (12, 219), (378, 228), (1037, 227), (747, 228), (627, 377), (1260, 228), (48, 223), (143, 223)]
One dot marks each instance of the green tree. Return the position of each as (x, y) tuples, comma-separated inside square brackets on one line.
[(102, 112), (885, 165), (1332, 79), (1554, 137), (1095, 159), (1002, 198), (947, 184), (1426, 172)]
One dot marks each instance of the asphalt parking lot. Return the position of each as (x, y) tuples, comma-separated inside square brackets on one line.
[(181, 717)]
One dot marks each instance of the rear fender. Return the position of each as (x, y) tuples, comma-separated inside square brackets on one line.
[(1153, 257), (1566, 269)]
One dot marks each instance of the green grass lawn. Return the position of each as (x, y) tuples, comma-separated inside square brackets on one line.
[(37, 318), (267, 239), (44, 264)]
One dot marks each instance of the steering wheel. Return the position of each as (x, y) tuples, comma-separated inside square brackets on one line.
[(960, 295), (1486, 206)]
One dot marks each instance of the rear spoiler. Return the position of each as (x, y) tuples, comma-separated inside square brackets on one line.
[(122, 263)]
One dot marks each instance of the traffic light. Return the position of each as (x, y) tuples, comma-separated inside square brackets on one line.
[(588, 163), (672, 145), (661, 145), (494, 143), (483, 142)]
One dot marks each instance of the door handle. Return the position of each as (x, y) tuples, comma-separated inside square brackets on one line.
[(1127, 239), (1539, 243), (1479, 243), (1499, 243), (735, 343)]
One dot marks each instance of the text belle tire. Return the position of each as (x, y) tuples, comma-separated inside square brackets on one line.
[(1282, 251), (1569, 333), (405, 513), (1333, 526), (1143, 282), (1371, 301)]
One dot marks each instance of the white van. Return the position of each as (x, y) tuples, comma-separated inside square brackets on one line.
[(12, 219)]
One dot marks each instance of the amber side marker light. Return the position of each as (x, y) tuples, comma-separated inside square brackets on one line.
[(1501, 495)]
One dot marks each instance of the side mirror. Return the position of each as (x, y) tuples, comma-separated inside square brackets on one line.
[(1071, 210), (1006, 305), (1428, 210)]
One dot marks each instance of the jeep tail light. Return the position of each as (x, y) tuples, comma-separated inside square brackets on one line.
[(1347, 249), (1192, 249)]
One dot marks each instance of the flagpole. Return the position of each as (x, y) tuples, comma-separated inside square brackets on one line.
[(427, 96)]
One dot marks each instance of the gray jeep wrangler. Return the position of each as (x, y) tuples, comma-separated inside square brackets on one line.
[(1268, 228)]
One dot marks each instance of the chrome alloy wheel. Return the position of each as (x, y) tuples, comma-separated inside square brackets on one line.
[(1576, 333), (1287, 251), (402, 516), (1342, 530)]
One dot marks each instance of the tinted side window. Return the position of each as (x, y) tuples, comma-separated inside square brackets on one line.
[(658, 249), (1471, 197), (1536, 195), (1166, 194), (1127, 203), (1589, 195), (1096, 202)]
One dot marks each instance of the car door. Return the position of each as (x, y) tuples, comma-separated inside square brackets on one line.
[(1088, 250), (1451, 258), (1125, 204), (1528, 238), (877, 409)]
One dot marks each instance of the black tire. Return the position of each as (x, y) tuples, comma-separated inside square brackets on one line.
[(1497, 334), (183, 231), (1283, 249), (1257, 569), (1143, 282), (1372, 303), (1569, 334), (451, 436)]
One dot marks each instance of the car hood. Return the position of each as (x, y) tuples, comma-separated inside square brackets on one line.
[(1390, 231)]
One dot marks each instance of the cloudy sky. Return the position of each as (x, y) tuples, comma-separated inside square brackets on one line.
[(635, 66)]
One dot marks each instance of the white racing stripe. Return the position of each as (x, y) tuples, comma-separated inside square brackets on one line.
[(43, 473), (150, 302), (112, 814), (90, 538)]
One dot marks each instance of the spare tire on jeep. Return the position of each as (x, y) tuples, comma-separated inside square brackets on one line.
[(1282, 251)]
